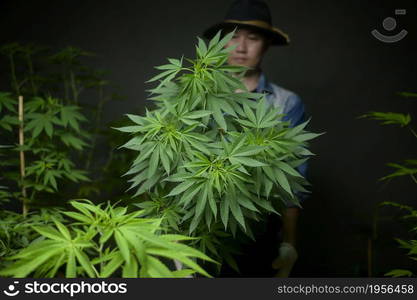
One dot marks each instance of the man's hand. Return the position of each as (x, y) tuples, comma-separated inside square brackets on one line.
[(285, 261)]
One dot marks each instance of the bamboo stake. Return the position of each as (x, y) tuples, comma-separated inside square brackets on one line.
[(22, 156)]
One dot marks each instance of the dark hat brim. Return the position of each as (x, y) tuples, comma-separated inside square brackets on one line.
[(278, 37)]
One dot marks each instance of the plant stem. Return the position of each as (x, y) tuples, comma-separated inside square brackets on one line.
[(414, 178), (31, 74), (13, 71), (73, 87), (414, 133), (109, 160), (22, 157), (97, 127), (64, 77), (101, 255)]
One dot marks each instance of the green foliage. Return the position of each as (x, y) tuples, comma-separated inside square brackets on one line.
[(399, 273), (103, 242), (60, 146), (389, 118), (408, 94), (93, 241), (217, 243), (16, 231), (212, 153), (52, 133), (408, 168), (410, 245), (5, 195)]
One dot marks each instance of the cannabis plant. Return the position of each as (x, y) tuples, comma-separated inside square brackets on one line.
[(103, 242), (60, 79), (52, 133), (211, 152), (407, 168), (16, 231), (47, 113)]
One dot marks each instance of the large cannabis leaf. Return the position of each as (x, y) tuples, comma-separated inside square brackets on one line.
[(86, 248), (216, 153)]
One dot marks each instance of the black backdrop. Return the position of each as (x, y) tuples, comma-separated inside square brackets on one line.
[(338, 68)]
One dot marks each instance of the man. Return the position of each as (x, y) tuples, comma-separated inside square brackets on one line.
[(253, 36)]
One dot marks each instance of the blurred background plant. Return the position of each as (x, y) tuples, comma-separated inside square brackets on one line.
[(60, 92), (407, 168), (53, 136), (51, 124)]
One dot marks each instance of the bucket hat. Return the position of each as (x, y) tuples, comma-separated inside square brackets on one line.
[(250, 14)]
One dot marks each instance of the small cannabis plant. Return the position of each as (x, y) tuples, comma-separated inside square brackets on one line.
[(58, 144), (407, 168), (209, 154), (52, 133), (103, 242)]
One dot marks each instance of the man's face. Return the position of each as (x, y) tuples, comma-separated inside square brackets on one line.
[(250, 49)]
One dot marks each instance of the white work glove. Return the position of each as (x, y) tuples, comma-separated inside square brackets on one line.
[(285, 261), (179, 266)]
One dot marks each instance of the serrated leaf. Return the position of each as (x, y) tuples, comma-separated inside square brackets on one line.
[(306, 137), (71, 268), (49, 232), (85, 262), (113, 265), (237, 212), (218, 116), (247, 161), (283, 181), (153, 162), (122, 245), (180, 188), (399, 273), (224, 211), (197, 114)]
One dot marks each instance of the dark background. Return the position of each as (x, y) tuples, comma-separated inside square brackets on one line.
[(338, 68)]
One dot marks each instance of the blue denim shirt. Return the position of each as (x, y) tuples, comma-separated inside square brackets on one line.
[(293, 108)]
